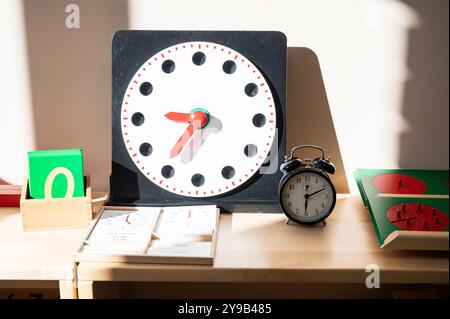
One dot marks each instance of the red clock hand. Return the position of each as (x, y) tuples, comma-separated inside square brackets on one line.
[(183, 140), (179, 117), (197, 120)]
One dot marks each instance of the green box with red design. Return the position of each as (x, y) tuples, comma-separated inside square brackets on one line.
[(409, 208)]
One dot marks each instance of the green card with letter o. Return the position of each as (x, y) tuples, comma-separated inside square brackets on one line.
[(56, 173)]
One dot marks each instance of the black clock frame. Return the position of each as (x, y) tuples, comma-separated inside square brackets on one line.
[(290, 174), (130, 49)]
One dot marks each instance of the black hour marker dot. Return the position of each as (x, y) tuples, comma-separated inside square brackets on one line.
[(145, 149), (199, 58), (146, 88), (251, 89), (167, 171), (259, 120), (137, 119), (250, 150), (168, 66), (198, 180), (229, 67), (228, 172)]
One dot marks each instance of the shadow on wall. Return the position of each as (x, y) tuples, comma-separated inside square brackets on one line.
[(70, 72), (426, 103), (309, 118)]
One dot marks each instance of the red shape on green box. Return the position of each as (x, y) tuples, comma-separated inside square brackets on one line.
[(58, 168), (417, 216), (399, 184)]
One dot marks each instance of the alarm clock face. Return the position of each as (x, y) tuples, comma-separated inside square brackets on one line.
[(198, 119), (308, 196)]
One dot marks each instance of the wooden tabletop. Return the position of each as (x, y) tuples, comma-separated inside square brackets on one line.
[(36, 255), (262, 248)]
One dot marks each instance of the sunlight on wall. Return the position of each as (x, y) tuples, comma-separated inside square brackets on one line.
[(16, 118), (361, 46)]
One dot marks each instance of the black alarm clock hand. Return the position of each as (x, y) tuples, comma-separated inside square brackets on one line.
[(306, 197), (312, 194), (316, 192)]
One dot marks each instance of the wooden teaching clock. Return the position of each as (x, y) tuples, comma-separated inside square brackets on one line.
[(198, 117)]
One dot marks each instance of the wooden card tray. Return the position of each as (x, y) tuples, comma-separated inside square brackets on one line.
[(112, 237), (55, 213)]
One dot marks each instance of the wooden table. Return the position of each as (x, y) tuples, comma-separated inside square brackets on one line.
[(258, 255), (38, 259)]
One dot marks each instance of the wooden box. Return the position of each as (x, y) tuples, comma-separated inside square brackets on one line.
[(55, 213), (122, 252)]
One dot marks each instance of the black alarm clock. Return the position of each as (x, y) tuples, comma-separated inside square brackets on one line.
[(306, 193)]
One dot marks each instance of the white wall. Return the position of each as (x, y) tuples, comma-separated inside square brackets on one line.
[(16, 114), (362, 46), (70, 75), (384, 65)]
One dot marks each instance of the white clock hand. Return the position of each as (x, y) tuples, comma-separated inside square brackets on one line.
[(199, 138)]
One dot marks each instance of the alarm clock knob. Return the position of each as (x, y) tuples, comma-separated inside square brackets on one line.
[(290, 165), (325, 165)]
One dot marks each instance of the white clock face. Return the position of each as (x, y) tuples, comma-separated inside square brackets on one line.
[(198, 119), (307, 197)]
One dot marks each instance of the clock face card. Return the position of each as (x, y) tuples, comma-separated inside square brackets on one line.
[(197, 116), (126, 226), (195, 220)]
